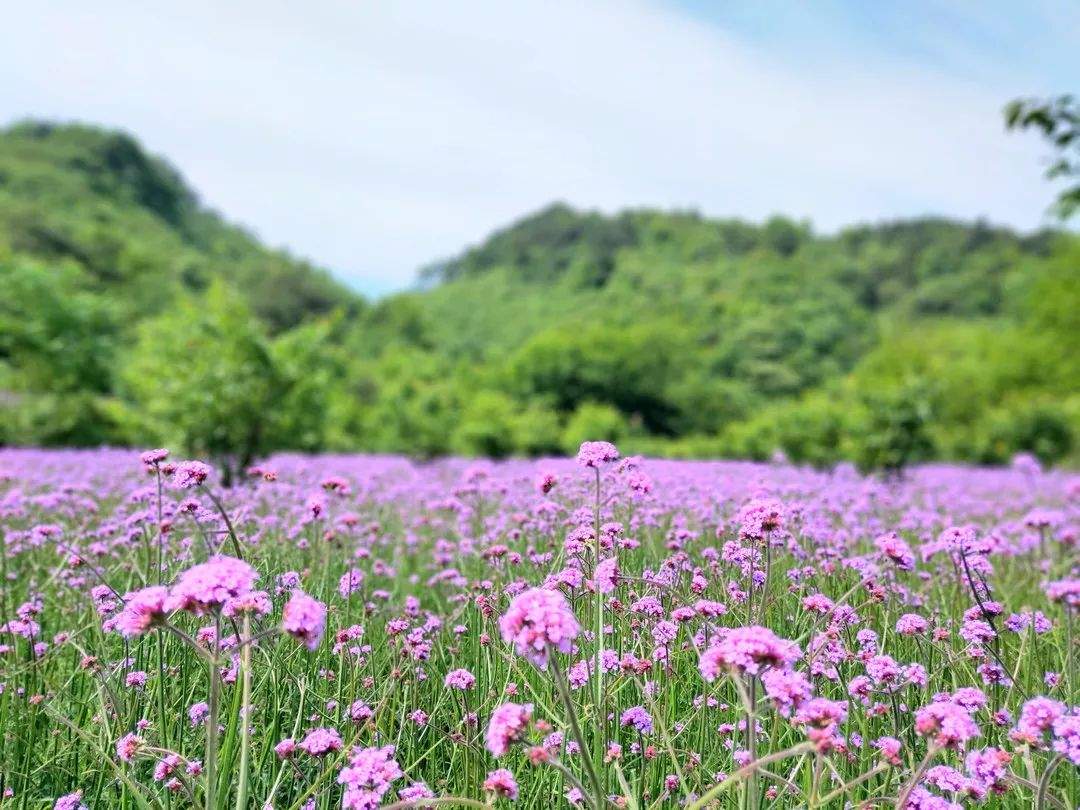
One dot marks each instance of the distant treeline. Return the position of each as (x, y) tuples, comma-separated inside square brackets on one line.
[(131, 314)]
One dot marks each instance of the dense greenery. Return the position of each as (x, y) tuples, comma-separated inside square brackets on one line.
[(131, 314)]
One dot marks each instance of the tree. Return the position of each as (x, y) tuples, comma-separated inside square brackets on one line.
[(896, 430), (486, 426), (593, 421), (308, 366), (201, 375), (1039, 428), (53, 333), (1058, 119), (57, 343)]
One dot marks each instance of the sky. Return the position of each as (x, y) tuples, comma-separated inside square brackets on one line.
[(375, 137)]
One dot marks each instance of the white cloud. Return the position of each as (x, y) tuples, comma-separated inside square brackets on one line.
[(374, 137)]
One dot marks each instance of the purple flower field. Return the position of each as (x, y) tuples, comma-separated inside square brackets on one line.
[(362, 632)]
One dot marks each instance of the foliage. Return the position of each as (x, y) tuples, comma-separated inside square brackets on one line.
[(896, 428), (593, 421), (202, 375), (1058, 119), (686, 335), (95, 198)]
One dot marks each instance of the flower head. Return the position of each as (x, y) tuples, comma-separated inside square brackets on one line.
[(988, 768), (255, 603), (820, 718), (198, 712), (748, 650), (368, 776), (190, 474), (759, 518), (606, 575), (595, 454), (127, 747), (206, 587), (639, 718), (459, 679), (787, 688), (72, 801), (502, 783), (947, 724), (320, 741), (151, 458), (537, 619), (1066, 591), (142, 610), (1037, 716), (304, 619), (1067, 737), (508, 724)]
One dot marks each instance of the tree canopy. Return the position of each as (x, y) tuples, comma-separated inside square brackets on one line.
[(132, 314)]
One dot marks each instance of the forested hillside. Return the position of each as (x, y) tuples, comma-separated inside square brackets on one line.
[(131, 314)]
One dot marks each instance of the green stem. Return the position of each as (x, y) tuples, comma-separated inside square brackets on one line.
[(1044, 782), (228, 523), (245, 721), (916, 776), (748, 769), (212, 721), (751, 744), (161, 532), (571, 715), (858, 780), (601, 714)]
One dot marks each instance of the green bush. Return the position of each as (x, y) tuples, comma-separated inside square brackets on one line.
[(593, 421), (203, 377), (1039, 428)]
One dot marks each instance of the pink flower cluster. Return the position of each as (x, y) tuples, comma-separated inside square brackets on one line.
[(760, 518), (748, 650), (367, 777), (206, 587), (190, 474), (142, 610), (946, 724), (596, 454), (304, 619), (459, 679), (536, 620), (508, 724), (320, 741)]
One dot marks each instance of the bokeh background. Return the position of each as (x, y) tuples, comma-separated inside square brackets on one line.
[(838, 232)]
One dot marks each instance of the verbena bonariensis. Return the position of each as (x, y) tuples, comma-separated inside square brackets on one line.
[(365, 631)]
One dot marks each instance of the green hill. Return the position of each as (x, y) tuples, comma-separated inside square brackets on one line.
[(96, 201), (150, 320)]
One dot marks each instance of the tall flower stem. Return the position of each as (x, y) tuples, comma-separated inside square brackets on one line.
[(228, 523), (916, 776), (160, 528), (575, 729), (1070, 674), (160, 688), (747, 770), (768, 570), (245, 710), (1044, 782), (601, 713), (212, 720), (848, 786), (751, 744)]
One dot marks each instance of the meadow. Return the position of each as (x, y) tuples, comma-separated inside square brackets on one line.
[(367, 631)]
